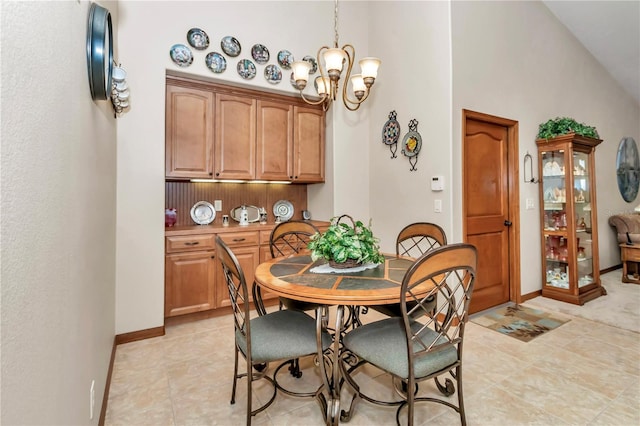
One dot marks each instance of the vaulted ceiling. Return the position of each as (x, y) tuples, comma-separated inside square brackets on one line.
[(610, 30)]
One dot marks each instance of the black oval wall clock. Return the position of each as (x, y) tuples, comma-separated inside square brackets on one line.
[(99, 52)]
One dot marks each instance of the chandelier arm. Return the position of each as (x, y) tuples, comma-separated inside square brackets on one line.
[(322, 100), (351, 104)]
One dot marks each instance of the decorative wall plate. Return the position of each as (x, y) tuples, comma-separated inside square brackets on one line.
[(260, 53), (391, 133), (246, 69), (203, 213), (273, 74), (283, 209), (181, 55), (252, 212), (313, 62), (412, 143), (216, 62), (99, 52), (230, 46), (285, 59), (198, 39), (628, 169)]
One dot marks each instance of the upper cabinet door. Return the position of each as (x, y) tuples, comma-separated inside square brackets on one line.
[(235, 137), (308, 143), (275, 141), (188, 132)]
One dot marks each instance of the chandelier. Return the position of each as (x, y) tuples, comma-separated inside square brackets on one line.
[(327, 83)]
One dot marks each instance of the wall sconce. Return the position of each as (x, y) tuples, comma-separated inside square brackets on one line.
[(531, 178), (119, 90)]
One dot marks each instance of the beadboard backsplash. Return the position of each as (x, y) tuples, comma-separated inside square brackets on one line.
[(183, 195)]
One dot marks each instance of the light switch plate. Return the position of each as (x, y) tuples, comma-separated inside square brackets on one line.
[(530, 204), (437, 206)]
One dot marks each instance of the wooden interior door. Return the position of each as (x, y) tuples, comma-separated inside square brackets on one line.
[(490, 204)]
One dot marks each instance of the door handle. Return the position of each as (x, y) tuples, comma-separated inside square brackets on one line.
[(507, 223)]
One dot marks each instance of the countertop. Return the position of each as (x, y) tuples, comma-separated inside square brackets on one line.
[(232, 227)]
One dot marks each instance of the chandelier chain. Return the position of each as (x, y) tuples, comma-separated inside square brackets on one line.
[(335, 24)]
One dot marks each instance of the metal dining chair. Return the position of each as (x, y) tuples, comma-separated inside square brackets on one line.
[(277, 336), (422, 343), (288, 238), (414, 240)]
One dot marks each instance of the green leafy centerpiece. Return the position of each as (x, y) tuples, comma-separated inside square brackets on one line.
[(564, 125), (346, 246)]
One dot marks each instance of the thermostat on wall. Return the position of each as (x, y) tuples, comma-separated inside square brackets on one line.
[(437, 183)]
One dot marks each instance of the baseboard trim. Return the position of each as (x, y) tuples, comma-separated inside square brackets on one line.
[(530, 296), (139, 335), (107, 385), (611, 268)]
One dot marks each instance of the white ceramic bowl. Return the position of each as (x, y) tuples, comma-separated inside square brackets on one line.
[(118, 74)]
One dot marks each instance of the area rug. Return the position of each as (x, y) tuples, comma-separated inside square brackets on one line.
[(519, 321)]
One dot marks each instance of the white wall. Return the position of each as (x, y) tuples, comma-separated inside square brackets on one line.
[(412, 39), (58, 174), (515, 60)]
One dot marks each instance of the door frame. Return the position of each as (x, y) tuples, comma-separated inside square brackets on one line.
[(513, 181)]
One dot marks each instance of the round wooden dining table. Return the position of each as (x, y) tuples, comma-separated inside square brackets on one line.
[(299, 277)]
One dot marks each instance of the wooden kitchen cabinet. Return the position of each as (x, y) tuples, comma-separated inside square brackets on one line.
[(308, 142), (225, 132), (235, 137), (189, 132), (190, 270), (275, 141), (194, 280)]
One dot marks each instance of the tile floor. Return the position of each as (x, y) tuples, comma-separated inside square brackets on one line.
[(583, 373)]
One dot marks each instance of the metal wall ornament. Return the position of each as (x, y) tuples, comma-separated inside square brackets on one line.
[(391, 133), (411, 144)]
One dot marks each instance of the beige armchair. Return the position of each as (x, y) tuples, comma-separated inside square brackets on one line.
[(627, 227)]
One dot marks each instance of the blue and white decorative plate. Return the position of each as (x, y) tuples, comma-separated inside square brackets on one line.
[(198, 39), (273, 74), (181, 55), (230, 46), (285, 59), (260, 53), (216, 62), (246, 69), (313, 62)]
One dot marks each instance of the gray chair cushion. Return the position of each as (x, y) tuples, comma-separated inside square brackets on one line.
[(282, 335), (384, 344)]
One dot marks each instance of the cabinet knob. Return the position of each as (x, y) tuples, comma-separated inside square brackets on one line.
[(507, 223), (217, 174), (210, 173), (213, 257)]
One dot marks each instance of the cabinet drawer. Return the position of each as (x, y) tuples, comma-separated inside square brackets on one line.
[(190, 243), (237, 239)]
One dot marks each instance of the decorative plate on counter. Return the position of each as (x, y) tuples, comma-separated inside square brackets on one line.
[(283, 209), (252, 212), (203, 213)]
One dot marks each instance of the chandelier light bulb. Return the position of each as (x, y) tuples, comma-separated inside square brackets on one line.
[(322, 85), (301, 71)]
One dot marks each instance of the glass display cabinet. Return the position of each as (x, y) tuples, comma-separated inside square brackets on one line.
[(570, 267)]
